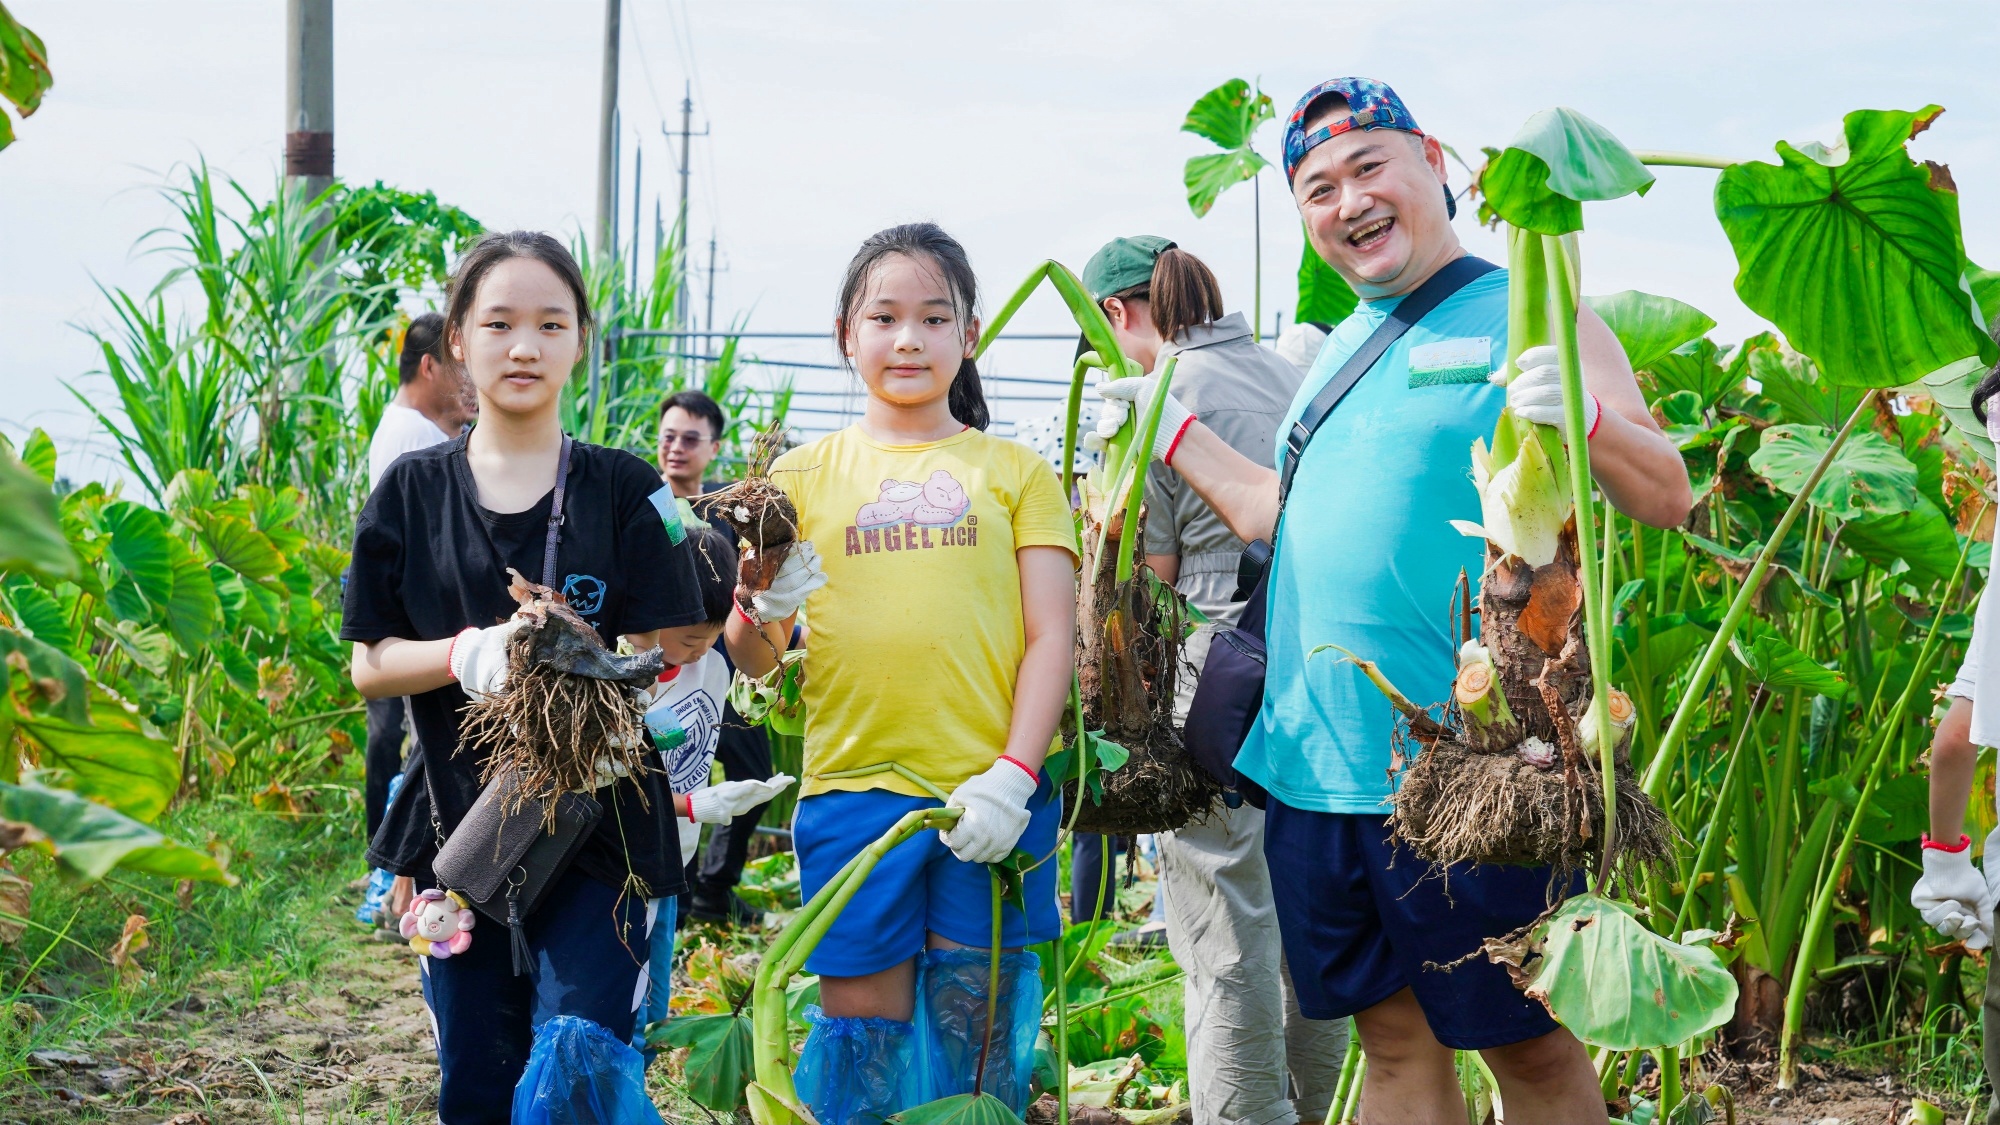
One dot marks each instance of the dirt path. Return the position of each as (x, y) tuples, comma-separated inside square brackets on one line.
[(351, 1045)]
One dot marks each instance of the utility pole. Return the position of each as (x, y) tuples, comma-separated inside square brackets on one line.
[(638, 181), (708, 328), (607, 131), (309, 95), (681, 317)]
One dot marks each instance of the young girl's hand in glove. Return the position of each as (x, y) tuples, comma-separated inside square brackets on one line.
[(478, 658), (996, 812), (720, 804), (798, 576)]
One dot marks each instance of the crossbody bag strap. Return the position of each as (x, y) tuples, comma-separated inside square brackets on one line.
[(556, 518), (1455, 275)]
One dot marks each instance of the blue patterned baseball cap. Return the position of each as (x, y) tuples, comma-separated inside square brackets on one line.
[(1370, 104)]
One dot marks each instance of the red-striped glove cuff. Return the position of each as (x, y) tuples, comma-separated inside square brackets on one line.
[(1964, 842), (451, 651), (1596, 421), (1035, 775), (1168, 459)]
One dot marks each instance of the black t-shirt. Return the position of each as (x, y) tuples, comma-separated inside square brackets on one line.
[(430, 561)]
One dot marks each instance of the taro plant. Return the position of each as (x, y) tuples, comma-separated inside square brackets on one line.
[(24, 71), (1230, 115)]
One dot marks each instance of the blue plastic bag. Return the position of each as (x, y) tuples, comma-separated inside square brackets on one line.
[(951, 1023), (855, 1071), (580, 1074)]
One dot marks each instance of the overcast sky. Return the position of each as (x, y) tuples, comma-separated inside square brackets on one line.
[(1030, 130)]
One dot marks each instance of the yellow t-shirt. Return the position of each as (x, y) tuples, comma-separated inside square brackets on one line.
[(917, 634)]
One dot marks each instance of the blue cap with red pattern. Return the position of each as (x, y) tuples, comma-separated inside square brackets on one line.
[(1370, 105)]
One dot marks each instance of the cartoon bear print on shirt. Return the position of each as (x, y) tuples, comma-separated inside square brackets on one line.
[(937, 502)]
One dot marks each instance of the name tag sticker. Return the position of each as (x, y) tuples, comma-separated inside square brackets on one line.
[(670, 514), (1466, 360)]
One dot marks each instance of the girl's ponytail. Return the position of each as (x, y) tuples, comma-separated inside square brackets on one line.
[(967, 398), (1183, 293)]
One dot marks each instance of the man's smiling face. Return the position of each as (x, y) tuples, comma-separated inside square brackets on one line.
[(1372, 205)]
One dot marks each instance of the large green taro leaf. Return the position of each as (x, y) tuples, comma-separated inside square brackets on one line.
[(239, 546), (1951, 388), (1559, 159), (142, 543), (31, 535), (195, 609), (1773, 662), (1616, 984), (721, 1055), (112, 759), (1649, 326), (88, 839), (1868, 477), (1229, 116), (1794, 383), (56, 685), (1324, 295), (1854, 252), (1695, 368), (1921, 537), (959, 1109)]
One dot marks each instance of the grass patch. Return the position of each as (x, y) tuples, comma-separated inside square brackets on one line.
[(61, 989)]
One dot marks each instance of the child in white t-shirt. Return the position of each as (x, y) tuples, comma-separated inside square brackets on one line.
[(684, 717)]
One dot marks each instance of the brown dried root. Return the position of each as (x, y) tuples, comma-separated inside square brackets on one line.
[(569, 704), (760, 514)]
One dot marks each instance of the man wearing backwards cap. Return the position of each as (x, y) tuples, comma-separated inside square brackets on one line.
[(1366, 559)]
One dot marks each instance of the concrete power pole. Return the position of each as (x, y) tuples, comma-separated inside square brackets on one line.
[(607, 132), (309, 95)]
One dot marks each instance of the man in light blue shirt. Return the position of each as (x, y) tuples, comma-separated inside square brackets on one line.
[(1367, 559)]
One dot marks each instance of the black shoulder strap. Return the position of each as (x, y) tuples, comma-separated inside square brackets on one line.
[(555, 519), (1401, 319)]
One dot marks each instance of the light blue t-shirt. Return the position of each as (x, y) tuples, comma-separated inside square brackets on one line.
[(1367, 558)]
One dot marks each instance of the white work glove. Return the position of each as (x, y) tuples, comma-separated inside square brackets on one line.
[(798, 576), (478, 658), (720, 804), (996, 813), (1135, 393), (1537, 395), (1954, 898)]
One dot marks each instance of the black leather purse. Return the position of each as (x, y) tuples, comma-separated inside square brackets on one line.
[(504, 862), (1230, 691)]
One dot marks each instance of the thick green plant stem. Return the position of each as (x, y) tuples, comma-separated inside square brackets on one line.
[(768, 1015), (992, 990), (1596, 611), (1822, 907), (1693, 696), (1661, 158), (897, 768), (1669, 1059), (1348, 1065), (1141, 459)]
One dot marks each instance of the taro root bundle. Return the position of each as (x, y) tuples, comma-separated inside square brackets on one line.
[(1515, 772), (570, 717), (760, 514)]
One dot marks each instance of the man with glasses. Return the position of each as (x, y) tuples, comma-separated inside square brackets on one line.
[(691, 426)]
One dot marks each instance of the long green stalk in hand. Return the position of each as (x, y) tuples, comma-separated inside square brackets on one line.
[(1662, 765), (1822, 907), (1596, 613)]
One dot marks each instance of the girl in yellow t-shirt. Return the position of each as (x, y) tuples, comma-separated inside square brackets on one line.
[(938, 564)]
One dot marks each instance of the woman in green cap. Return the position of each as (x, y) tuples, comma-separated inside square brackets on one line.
[(1245, 1034)]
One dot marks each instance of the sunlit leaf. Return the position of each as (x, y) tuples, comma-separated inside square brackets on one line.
[(1854, 252), (1794, 383), (1649, 326), (55, 684), (89, 839), (1559, 159), (39, 454), (1614, 983), (38, 611), (193, 611), (1209, 175), (239, 546), (1868, 477), (143, 543), (1951, 387), (112, 759), (1229, 114), (31, 537), (1773, 662), (1921, 537)]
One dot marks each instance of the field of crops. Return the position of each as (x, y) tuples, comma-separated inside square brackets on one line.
[(179, 796)]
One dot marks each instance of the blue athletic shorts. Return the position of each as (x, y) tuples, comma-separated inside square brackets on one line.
[(919, 887), (1360, 918)]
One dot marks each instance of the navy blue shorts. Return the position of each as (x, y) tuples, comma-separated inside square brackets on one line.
[(919, 888), (1360, 918)]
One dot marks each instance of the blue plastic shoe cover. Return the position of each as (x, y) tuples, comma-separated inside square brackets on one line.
[(951, 1024), (580, 1074), (855, 1071)]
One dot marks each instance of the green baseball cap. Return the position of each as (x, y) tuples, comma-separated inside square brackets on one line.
[(1123, 263)]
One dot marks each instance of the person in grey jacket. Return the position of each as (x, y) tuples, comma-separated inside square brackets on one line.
[(1253, 1058)]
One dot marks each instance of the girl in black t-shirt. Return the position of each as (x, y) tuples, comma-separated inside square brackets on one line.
[(428, 609)]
